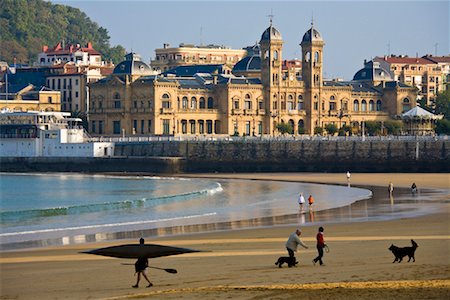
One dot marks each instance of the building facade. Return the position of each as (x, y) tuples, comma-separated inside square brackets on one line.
[(167, 58), (428, 73), (133, 102), (30, 98)]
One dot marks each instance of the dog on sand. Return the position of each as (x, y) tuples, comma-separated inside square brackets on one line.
[(400, 252), (291, 262)]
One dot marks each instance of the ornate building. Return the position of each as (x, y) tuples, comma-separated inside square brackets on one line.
[(131, 101)]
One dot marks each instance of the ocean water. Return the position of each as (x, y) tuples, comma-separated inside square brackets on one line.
[(42, 206), (54, 209)]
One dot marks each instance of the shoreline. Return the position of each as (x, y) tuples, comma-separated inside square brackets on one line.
[(334, 215), (240, 264)]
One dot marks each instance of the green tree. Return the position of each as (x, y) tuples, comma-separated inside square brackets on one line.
[(443, 126), (373, 127), (443, 104), (393, 127), (27, 25), (318, 130), (284, 128), (331, 129)]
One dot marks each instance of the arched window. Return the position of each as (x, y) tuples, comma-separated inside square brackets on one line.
[(301, 127), (300, 102), (165, 101), (371, 105), (406, 105), (202, 103), (184, 126), (117, 96), (356, 105), (275, 55), (364, 105), (193, 103), (210, 102), (378, 105), (184, 103), (308, 56), (332, 98), (247, 102), (166, 96), (316, 56), (291, 124)]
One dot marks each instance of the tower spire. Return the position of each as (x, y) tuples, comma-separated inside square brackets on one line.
[(271, 17)]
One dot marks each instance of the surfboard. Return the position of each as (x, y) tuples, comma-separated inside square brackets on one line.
[(139, 250)]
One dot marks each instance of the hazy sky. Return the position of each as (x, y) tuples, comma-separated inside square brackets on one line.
[(352, 30)]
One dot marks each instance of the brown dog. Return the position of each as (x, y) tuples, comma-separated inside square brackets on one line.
[(400, 252)]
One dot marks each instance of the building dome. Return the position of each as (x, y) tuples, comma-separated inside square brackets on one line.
[(271, 34), (132, 65), (311, 35), (250, 63), (372, 71)]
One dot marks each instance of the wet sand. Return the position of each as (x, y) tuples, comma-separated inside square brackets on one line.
[(240, 263)]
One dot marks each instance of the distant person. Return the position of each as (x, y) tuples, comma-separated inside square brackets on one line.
[(292, 244), (320, 246), (348, 176), (310, 202), (414, 188), (140, 265), (391, 188), (301, 201)]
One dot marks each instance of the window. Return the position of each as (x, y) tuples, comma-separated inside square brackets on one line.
[(371, 105), (308, 56), (283, 105), (202, 103), (142, 126), (135, 123), (275, 55), (149, 126), (210, 103), (300, 102), (316, 105), (260, 104), (184, 103), (316, 56), (406, 105), (209, 126), (192, 123), (165, 101), (100, 104), (134, 104), (247, 128), (166, 126), (93, 128), (117, 104), (378, 105), (236, 103), (201, 127), (183, 126), (364, 105), (332, 105), (356, 105), (247, 102), (275, 105), (260, 127), (50, 100), (116, 127), (193, 103), (290, 105)]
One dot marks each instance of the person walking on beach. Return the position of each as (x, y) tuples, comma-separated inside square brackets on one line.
[(301, 201), (140, 265), (310, 202), (348, 177), (292, 245), (320, 246), (391, 188), (414, 188)]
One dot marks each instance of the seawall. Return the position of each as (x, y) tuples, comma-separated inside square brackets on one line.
[(168, 157)]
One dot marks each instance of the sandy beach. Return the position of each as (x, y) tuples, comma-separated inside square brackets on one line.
[(239, 264)]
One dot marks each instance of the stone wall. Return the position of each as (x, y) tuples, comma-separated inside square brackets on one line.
[(301, 155)]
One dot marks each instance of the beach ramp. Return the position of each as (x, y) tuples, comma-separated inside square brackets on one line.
[(139, 251)]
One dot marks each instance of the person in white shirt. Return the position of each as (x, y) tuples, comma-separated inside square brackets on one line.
[(301, 201), (292, 244)]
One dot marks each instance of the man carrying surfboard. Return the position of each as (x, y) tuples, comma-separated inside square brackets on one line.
[(140, 265)]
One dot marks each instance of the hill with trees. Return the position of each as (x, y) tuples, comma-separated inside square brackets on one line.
[(27, 25)]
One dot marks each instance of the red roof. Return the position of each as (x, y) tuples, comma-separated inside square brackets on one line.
[(405, 60), (69, 48), (438, 59)]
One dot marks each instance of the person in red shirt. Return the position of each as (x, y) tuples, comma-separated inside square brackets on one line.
[(310, 201), (320, 246)]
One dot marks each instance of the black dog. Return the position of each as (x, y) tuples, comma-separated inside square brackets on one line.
[(400, 252), (291, 262)]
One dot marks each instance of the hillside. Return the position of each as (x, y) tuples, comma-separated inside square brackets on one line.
[(27, 25)]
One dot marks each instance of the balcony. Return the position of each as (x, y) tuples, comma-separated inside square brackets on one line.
[(236, 111), (292, 112), (166, 111), (261, 112), (249, 112)]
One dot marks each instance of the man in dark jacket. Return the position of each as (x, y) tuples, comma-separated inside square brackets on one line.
[(140, 265)]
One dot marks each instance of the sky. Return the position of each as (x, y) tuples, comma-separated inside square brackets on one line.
[(352, 30)]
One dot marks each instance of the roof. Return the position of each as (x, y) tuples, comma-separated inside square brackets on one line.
[(438, 59), (420, 113), (312, 35), (372, 71), (248, 63), (70, 48), (132, 65), (405, 60), (270, 34), (189, 71), (356, 86)]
